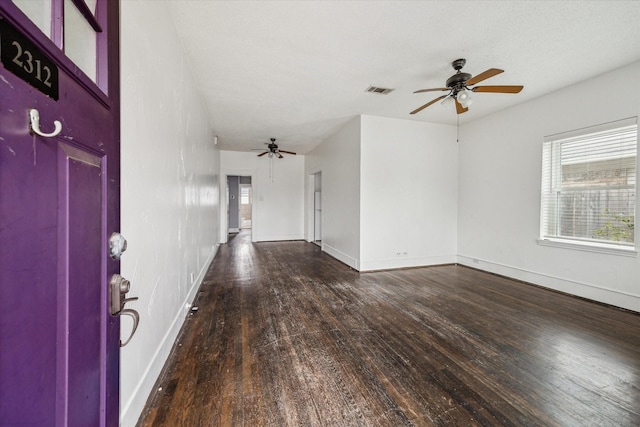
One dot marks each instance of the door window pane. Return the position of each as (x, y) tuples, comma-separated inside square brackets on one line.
[(38, 11), (79, 40), (91, 4)]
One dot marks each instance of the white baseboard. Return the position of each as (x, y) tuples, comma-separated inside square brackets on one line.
[(131, 410), (406, 262), (590, 291), (277, 237), (341, 256)]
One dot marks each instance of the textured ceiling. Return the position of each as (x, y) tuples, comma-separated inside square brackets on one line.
[(298, 70)]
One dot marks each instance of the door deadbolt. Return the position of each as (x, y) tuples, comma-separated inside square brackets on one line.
[(117, 245)]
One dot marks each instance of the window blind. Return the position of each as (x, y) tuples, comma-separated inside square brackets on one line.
[(589, 184)]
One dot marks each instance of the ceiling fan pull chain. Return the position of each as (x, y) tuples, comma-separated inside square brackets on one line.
[(271, 168)]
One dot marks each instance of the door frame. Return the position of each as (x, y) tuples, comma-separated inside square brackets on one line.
[(310, 209), (224, 223), (311, 185)]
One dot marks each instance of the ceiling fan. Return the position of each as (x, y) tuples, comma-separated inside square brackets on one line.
[(273, 150), (459, 90)]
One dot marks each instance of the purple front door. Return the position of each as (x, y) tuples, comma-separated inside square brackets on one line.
[(59, 202)]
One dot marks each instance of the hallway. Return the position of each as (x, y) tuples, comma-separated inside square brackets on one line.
[(285, 335)]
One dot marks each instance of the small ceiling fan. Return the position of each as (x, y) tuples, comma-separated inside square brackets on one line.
[(459, 90), (273, 150)]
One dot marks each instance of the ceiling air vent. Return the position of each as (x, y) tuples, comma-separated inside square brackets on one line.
[(380, 90)]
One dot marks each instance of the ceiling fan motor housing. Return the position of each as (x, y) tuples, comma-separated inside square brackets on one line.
[(458, 80)]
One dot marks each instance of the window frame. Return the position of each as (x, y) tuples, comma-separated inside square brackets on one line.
[(53, 44), (551, 180)]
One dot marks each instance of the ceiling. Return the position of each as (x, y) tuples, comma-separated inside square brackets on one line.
[(298, 70)]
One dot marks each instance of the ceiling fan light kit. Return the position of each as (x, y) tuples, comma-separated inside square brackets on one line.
[(459, 87), (447, 102), (464, 98)]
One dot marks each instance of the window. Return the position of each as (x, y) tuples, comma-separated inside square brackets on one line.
[(39, 11), (589, 186), (74, 27), (245, 195), (80, 41)]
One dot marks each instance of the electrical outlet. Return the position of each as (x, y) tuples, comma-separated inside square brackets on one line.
[(191, 277)]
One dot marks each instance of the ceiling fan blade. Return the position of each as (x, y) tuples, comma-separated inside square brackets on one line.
[(417, 110), (260, 155), (280, 156), (288, 152), (498, 89), (484, 75), (435, 89), (460, 109)]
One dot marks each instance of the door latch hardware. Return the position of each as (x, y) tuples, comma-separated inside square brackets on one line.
[(118, 289)]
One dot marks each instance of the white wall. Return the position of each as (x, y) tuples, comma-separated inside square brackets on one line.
[(408, 193), (338, 158), (278, 193), (170, 193), (389, 187), (499, 208)]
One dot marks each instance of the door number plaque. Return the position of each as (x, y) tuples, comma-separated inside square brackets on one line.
[(21, 57)]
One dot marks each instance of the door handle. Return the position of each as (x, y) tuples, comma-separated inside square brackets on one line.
[(136, 319), (118, 289)]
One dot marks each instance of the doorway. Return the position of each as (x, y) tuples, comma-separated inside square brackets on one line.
[(239, 203)]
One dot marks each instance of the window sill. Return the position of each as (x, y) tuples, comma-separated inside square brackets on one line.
[(589, 247)]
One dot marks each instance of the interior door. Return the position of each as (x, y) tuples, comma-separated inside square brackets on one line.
[(59, 202)]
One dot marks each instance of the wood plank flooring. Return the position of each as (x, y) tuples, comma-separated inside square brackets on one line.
[(287, 336)]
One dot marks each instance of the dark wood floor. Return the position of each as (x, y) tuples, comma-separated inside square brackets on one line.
[(285, 335)]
